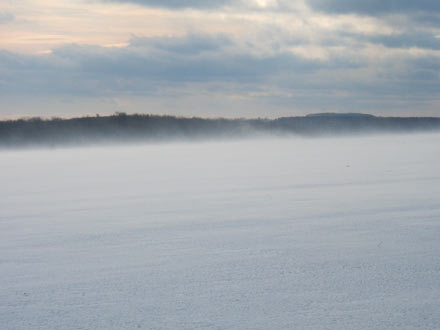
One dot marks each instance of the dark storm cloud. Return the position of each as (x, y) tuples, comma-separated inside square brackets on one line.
[(375, 7)]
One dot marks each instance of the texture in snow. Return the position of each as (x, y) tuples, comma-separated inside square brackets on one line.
[(336, 233)]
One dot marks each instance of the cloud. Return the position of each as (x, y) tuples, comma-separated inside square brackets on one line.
[(418, 40), (179, 4), (375, 7), (194, 44), (406, 40), (191, 67), (371, 7), (214, 4), (145, 64)]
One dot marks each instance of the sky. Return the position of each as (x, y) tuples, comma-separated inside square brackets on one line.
[(232, 58)]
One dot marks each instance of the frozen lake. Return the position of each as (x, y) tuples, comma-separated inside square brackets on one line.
[(336, 233)]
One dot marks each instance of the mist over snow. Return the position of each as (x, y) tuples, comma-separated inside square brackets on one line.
[(274, 233)]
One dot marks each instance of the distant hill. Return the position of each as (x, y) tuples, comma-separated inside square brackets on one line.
[(340, 115), (138, 127)]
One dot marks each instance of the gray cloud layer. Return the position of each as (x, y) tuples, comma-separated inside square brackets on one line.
[(151, 65), (387, 61), (374, 7), (146, 64), (404, 40), (370, 7)]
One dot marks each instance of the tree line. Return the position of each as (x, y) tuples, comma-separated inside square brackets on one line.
[(122, 127)]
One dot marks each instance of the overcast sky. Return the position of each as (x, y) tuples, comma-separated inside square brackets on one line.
[(233, 58)]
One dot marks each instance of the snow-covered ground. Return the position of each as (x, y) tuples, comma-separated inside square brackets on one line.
[(336, 233)]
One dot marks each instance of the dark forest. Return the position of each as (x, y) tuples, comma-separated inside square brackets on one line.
[(122, 127)]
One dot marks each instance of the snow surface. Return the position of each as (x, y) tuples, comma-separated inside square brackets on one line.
[(336, 233)]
